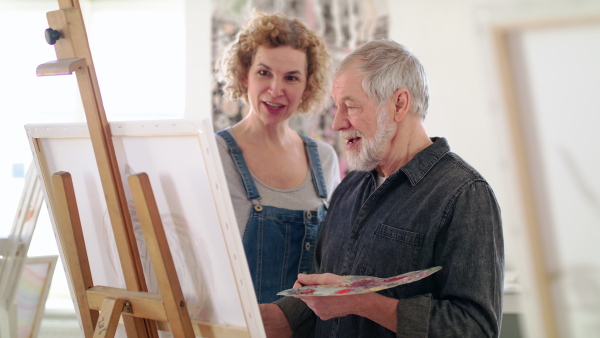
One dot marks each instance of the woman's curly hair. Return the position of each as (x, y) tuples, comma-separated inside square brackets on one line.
[(274, 31)]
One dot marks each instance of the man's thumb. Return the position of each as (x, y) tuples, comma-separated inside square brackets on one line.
[(305, 279)]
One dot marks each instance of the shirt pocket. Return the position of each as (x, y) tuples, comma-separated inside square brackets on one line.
[(392, 251)]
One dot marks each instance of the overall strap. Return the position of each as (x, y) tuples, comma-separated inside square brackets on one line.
[(240, 163), (315, 167)]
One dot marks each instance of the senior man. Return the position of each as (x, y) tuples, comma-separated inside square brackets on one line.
[(408, 204)]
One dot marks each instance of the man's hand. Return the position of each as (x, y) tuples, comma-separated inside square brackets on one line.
[(327, 307), (370, 305), (274, 320), (318, 279)]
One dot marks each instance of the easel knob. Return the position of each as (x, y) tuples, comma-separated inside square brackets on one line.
[(52, 36)]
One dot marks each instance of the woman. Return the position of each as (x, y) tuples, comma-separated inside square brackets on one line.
[(279, 181)]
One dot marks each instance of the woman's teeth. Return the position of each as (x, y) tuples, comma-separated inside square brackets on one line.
[(274, 106)]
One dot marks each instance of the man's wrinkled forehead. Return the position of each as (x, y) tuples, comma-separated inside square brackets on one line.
[(347, 81)]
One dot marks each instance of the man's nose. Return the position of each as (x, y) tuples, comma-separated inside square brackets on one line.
[(340, 121)]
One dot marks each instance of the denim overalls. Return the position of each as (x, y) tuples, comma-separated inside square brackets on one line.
[(279, 243)]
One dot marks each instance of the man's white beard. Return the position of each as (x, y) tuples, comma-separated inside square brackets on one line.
[(371, 151)]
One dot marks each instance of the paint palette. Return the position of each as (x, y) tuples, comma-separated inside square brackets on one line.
[(359, 284)]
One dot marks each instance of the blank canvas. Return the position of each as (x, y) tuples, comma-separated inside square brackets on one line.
[(183, 164)]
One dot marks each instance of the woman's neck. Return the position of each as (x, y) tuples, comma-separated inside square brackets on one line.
[(255, 131)]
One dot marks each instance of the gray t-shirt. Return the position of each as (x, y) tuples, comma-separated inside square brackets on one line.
[(303, 197)]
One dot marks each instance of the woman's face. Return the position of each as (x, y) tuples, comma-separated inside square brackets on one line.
[(276, 83)]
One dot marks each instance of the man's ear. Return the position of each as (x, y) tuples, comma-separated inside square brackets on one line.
[(401, 101)]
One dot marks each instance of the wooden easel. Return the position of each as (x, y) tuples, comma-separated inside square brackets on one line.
[(101, 307)]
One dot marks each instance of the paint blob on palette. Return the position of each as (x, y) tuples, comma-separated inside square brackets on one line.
[(354, 285)]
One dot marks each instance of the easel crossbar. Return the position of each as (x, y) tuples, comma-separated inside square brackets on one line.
[(150, 306), (142, 304)]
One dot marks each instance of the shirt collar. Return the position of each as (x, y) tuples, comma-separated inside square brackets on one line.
[(423, 161)]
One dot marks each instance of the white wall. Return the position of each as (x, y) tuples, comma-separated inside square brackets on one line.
[(198, 97)]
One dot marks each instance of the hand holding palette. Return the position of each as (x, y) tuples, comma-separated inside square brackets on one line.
[(354, 285)]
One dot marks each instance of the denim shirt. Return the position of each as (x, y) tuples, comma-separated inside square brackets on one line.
[(434, 211)]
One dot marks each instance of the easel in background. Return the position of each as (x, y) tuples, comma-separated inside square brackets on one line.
[(13, 251), (101, 307)]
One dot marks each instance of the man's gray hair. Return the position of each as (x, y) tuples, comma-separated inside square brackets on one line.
[(389, 66)]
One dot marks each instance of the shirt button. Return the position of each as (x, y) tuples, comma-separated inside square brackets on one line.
[(307, 246), (308, 214)]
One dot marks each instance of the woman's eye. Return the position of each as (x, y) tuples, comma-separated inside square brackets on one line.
[(292, 78), (263, 72)]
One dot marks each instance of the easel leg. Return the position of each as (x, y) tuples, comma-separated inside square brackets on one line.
[(109, 318), (71, 234), (160, 255), (70, 48)]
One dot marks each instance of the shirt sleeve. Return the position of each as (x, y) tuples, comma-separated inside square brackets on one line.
[(470, 249), (413, 316), (301, 318)]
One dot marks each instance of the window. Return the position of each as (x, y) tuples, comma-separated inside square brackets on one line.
[(138, 49)]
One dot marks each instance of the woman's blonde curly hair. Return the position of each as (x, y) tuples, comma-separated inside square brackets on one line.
[(272, 31)]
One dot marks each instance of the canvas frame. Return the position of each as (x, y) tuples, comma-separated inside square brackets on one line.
[(67, 147)]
